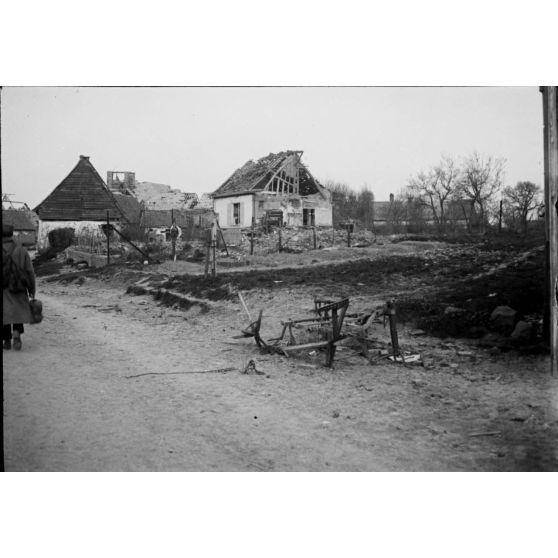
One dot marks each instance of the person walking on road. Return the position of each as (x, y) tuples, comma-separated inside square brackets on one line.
[(18, 284)]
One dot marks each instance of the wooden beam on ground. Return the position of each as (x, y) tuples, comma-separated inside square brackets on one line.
[(316, 345)]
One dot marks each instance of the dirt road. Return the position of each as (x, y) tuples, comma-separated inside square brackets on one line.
[(112, 382)]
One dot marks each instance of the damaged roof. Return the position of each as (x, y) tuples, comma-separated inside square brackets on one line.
[(253, 176), (81, 196)]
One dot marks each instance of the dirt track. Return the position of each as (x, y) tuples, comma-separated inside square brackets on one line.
[(71, 405)]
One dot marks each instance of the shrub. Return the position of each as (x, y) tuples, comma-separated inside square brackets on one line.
[(60, 239)]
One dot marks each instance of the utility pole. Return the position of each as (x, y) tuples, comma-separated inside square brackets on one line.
[(550, 117), (213, 247)]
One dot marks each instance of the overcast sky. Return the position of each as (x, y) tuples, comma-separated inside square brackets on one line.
[(194, 138)]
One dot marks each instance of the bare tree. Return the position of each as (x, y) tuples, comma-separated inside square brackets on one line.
[(435, 188), (365, 207), (521, 200), (416, 218), (397, 214), (350, 205), (344, 201), (481, 178)]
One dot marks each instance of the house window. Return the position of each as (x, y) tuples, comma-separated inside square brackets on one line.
[(236, 214), (308, 219)]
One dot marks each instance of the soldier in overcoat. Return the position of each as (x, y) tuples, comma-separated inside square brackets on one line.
[(16, 310)]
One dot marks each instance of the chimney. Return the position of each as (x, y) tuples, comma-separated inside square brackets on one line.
[(84, 157), (391, 198)]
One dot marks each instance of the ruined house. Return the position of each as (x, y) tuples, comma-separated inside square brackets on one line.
[(277, 187), (121, 182), (205, 202), (163, 197), (81, 201)]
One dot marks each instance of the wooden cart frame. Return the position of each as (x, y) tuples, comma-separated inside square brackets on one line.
[(329, 317)]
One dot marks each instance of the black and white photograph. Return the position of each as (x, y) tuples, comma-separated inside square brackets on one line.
[(279, 279)]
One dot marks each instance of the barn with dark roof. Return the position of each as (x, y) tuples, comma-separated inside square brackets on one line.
[(81, 201), (277, 186)]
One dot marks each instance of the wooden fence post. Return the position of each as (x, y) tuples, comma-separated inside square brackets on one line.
[(108, 238), (213, 248), (252, 238), (393, 329), (207, 252), (173, 237)]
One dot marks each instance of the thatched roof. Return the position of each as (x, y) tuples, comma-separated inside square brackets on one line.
[(81, 196)]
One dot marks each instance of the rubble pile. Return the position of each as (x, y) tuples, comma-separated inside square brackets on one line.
[(300, 239)]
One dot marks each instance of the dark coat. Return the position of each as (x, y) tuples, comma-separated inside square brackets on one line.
[(16, 305)]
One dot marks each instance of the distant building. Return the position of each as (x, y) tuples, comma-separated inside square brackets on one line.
[(24, 228), (9, 204), (458, 213), (278, 186)]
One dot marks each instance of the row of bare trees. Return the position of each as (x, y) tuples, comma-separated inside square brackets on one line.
[(476, 188), (447, 189), (470, 193)]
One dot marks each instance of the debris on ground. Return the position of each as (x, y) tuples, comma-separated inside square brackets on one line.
[(250, 368)]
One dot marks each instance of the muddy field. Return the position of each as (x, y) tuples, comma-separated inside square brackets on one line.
[(144, 371)]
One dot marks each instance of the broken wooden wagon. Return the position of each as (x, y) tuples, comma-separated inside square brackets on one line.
[(327, 322)]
